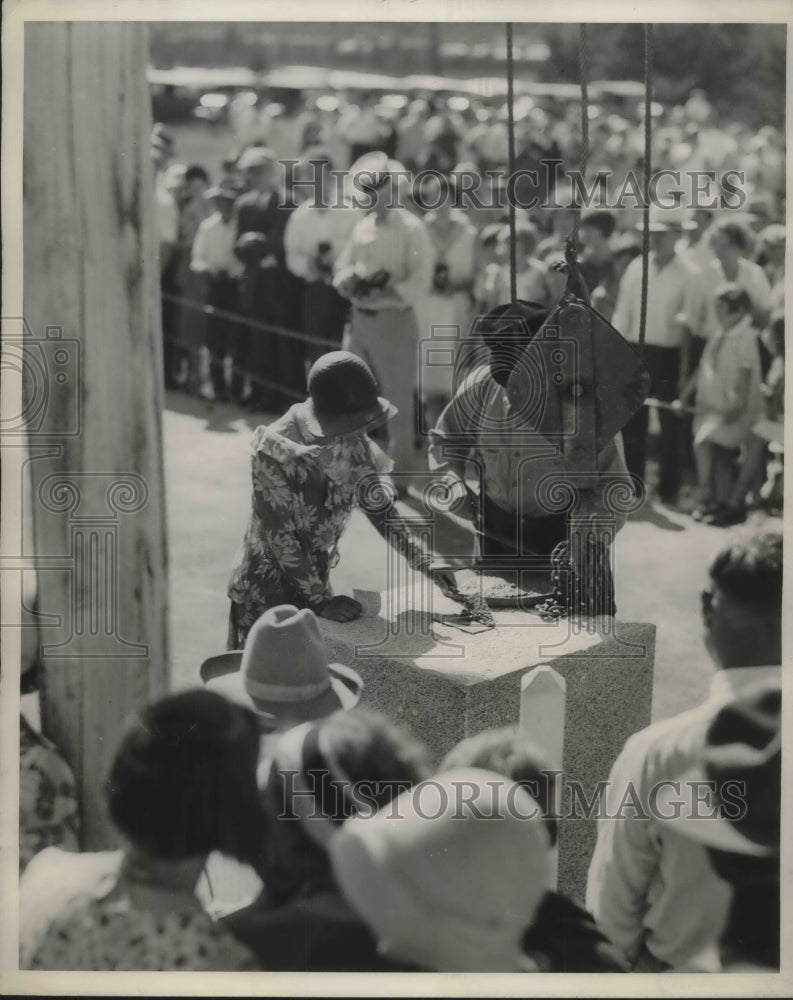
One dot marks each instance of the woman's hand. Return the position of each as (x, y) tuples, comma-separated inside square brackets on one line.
[(443, 578), (341, 609)]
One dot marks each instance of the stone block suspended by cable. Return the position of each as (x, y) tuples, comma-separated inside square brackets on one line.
[(578, 382)]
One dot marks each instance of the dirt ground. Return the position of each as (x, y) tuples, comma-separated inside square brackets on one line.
[(661, 555)]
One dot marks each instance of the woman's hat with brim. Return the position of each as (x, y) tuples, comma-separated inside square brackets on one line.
[(342, 397), (399, 871), (283, 672)]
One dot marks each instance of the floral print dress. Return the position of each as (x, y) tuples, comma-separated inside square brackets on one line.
[(303, 495), (78, 912), (48, 814)]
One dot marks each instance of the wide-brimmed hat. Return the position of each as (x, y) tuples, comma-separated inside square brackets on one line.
[(451, 875), (283, 673), (342, 397), (730, 799), (665, 220)]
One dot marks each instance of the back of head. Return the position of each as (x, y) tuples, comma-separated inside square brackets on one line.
[(743, 613), (322, 773), (183, 781), (507, 752)]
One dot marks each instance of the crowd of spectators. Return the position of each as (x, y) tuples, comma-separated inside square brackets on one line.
[(287, 279)]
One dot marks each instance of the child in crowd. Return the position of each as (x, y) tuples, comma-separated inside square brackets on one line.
[(767, 435), (728, 403)]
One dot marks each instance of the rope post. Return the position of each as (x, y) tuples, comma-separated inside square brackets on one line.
[(513, 250), (648, 100)]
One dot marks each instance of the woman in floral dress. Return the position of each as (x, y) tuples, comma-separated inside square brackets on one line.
[(182, 785), (309, 470)]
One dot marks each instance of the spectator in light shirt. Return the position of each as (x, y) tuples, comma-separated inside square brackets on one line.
[(315, 234), (652, 891), (676, 312), (214, 263), (385, 270)]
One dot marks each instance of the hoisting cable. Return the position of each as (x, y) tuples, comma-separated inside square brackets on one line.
[(584, 158), (648, 100), (513, 250)]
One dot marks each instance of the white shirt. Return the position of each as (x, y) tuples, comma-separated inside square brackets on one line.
[(213, 247), (166, 212), (398, 244), (646, 882), (308, 226), (674, 294)]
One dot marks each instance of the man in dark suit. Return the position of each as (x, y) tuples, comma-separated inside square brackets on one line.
[(270, 292)]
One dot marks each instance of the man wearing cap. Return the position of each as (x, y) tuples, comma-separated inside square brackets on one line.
[(676, 312), (215, 265), (317, 231), (270, 292), (385, 269), (652, 892)]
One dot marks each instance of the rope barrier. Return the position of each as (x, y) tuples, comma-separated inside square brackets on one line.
[(283, 390), (513, 250), (648, 100), (254, 324)]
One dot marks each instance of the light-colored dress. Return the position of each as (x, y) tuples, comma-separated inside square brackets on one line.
[(444, 318), (79, 913), (727, 354)]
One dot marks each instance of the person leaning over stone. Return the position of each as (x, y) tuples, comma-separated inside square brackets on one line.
[(309, 470), (477, 426), (652, 891)]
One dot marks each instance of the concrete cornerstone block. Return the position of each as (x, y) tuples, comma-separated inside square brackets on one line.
[(445, 684)]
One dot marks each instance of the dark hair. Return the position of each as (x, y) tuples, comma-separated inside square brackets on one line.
[(196, 173), (183, 781), (736, 232), (371, 750), (736, 298), (749, 571), (604, 222), (488, 236), (506, 752)]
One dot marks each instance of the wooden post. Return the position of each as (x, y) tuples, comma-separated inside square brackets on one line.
[(93, 347), (543, 696)]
